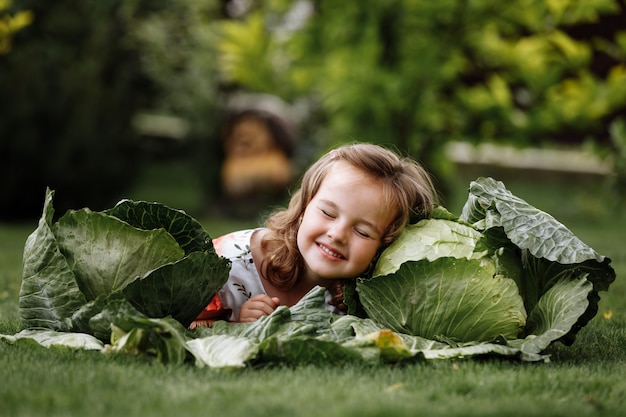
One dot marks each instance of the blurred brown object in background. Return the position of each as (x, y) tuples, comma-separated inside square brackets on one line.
[(257, 168)]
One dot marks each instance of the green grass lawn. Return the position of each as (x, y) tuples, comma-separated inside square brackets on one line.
[(585, 379)]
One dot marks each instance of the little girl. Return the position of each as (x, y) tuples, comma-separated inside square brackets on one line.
[(352, 202)]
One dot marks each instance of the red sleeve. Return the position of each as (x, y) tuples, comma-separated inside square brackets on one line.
[(214, 311)]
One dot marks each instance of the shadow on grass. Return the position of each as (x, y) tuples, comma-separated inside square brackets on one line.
[(603, 340)]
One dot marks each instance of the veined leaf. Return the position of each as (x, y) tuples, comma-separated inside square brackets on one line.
[(106, 254), (459, 299), (49, 293), (149, 216), (162, 292)]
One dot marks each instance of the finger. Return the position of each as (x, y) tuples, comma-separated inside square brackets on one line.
[(262, 307), (251, 315), (260, 297), (273, 302), (254, 309), (200, 323)]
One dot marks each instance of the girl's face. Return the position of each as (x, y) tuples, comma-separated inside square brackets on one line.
[(343, 225)]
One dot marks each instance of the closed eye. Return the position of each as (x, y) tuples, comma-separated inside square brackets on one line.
[(362, 233), (327, 214)]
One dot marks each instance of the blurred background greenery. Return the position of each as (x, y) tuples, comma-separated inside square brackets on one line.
[(98, 96)]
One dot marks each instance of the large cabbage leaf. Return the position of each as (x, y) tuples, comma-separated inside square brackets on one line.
[(156, 258), (179, 289), (107, 254), (49, 292), (491, 205), (448, 298), (547, 249), (189, 234), (430, 239)]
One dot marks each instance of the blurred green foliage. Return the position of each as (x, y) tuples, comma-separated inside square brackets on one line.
[(66, 108), (416, 74), (9, 24), (74, 83), (175, 41), (412, 74)]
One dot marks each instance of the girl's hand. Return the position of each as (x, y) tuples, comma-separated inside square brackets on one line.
[(258, 306)]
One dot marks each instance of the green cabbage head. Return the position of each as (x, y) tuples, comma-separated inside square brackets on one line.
[(504, 272)]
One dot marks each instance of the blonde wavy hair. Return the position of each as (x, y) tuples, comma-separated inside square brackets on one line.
[(407, 187)]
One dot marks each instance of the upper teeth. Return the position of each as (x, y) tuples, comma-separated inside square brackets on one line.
[(330, 252)]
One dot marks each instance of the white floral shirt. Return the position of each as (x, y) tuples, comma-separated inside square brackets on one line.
[(244, 280)]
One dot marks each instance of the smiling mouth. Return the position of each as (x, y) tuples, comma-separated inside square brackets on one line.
[(330, 252)]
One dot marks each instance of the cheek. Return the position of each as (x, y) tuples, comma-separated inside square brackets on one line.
[(367, 253), (299, 238), (307, 223), (303, 234)]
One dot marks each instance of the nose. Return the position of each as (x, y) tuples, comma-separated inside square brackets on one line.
[(337, 232)]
